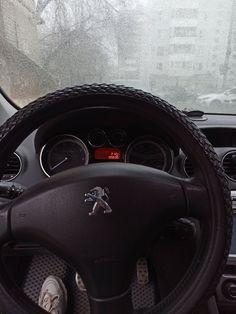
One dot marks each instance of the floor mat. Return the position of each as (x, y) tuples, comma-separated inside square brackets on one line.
[(41, 266)]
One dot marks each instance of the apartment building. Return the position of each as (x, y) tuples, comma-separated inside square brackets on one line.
[(188, 44), (131, 48), (229, 69), (18, 26), (20, 57)]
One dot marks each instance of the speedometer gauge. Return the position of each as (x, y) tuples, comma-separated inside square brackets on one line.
[(151, 152), (63, 152)]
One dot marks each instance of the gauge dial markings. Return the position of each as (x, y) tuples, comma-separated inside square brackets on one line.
[(63, 152), (150, 151)]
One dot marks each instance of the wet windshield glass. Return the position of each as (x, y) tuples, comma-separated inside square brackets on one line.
[(182, 50)]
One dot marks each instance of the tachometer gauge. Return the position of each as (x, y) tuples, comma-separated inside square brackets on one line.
[(63, 152), (150, 151)]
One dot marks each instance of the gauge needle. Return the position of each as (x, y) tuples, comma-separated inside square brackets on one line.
[(60, 163)]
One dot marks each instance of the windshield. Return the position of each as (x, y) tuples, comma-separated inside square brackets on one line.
[(181, 50)]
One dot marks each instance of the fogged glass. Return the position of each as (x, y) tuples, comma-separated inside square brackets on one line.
[(181, 50)]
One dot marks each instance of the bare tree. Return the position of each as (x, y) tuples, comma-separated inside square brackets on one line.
[(41, 5), (79, 40)]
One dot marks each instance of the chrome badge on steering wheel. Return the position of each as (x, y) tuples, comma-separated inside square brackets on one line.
[(99, 197)]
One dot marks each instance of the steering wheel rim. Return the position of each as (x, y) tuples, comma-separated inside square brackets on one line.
[(210, 259)]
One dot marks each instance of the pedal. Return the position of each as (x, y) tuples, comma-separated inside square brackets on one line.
[(142, 271), (79, 283)]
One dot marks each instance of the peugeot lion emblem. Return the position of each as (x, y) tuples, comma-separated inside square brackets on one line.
[(99, 197)]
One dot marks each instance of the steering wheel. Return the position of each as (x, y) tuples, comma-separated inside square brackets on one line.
[(104, 247)]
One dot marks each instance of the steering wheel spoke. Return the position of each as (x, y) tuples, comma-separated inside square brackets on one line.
[(108, 284), (5, 212), (115, 305), (197, 199)]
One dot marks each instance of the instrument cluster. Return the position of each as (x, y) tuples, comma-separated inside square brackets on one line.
[(65, 151)]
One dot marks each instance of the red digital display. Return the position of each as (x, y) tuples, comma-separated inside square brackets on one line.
[(107, 154)]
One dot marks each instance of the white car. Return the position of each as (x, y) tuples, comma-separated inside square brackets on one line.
[(215, 100)]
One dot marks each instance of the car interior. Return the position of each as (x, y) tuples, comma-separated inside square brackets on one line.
[(118, 156)]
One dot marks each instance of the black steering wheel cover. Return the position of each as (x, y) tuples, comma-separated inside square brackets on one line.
[(211, 260)]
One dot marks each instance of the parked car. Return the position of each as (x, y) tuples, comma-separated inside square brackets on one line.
[(216, 100)]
